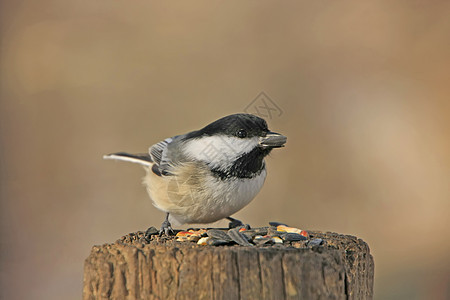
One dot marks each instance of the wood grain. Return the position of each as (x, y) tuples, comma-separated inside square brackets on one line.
[(132, 268)]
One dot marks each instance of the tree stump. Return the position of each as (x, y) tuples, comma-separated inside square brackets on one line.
[(162, 268)]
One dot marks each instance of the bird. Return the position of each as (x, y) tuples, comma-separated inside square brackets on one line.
[(208, 174)]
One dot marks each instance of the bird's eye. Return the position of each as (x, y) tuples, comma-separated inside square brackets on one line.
[(242, 133)]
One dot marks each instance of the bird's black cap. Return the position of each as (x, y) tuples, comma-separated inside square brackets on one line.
[(240, 125)]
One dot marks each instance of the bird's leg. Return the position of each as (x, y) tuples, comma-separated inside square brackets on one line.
[(236, 223), (166, 227)]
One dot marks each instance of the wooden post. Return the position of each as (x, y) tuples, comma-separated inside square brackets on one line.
[(341, 268)]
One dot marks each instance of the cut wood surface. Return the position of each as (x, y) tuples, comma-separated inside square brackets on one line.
[(162, 268)]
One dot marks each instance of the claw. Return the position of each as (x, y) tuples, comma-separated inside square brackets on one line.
[(166, 227), (236, 223)]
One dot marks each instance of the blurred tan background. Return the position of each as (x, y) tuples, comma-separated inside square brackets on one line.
[(365, 97)]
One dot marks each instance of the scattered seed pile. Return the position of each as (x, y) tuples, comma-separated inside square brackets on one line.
[(275, 234)]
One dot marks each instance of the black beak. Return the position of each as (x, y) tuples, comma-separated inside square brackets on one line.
[(272, 140)]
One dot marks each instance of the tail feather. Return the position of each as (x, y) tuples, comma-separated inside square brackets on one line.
[(143, 158)]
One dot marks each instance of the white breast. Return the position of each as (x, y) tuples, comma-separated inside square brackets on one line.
[(238, 192), (194, 195), (222, 199)]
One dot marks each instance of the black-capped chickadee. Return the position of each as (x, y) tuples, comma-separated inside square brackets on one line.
[(209, 174)]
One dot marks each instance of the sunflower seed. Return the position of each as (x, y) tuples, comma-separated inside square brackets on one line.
[(260, 230), (315, 242), (276, 224), (216, 242), (238, 237), (260, 240), (151, 231), (219, 235), (292, 237)]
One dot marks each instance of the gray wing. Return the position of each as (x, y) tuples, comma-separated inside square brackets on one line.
[(166, 154)]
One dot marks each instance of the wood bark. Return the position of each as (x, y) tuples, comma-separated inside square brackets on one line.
[(341, 268)]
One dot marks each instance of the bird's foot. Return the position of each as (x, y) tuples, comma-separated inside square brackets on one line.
[(236, 223), (166, 228)]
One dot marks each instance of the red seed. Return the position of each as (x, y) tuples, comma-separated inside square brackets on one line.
[(304, 233)]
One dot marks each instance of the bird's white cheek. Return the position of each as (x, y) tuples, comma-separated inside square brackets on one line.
[(219, 151)]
